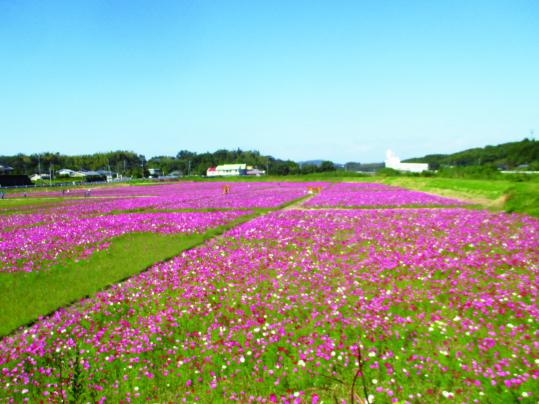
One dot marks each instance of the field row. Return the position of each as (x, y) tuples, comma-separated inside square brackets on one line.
[(39, 237), (430, 304), (45, 240)]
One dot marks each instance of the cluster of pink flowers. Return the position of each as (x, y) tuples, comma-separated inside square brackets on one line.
[(186, 195), (430, 303), (41, 240), (44, 235), (376, 195)]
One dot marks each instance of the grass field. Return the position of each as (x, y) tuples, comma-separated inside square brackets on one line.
[(12, 205), (509, 196), (24, 297)]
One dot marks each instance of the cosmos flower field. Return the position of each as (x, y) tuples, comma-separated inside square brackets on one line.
[(31, 245), (379, 195), (378, 305), (30, 240)]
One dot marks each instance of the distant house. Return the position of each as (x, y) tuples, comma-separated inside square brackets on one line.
[(65, 172), (85, 173), (227, 170), (109, 175), (175, 174), (254, 171), (392, 161), (90, 176), (37, 177), (155, 172), (5, 169)]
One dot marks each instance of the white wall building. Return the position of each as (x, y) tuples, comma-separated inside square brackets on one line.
[(227, 170), (392, 161)]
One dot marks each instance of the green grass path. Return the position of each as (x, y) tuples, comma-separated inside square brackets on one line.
[(24, 297)]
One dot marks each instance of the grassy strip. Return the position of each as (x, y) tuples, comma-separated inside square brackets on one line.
[(522, 198), (24, 297), (6, 205), (509, 196)]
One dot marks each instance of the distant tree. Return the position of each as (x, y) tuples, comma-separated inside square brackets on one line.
[(352, 166), (388, 172), (327, 166), (308, 169)]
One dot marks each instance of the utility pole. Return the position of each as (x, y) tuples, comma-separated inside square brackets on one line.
[(39, 164), (189, 169)]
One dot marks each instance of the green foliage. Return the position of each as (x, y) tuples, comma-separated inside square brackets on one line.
[(327, 166), (388, 172), (191, 163), (185, 163), (479, 172), (506, 156), (124, 162), (523, 198)]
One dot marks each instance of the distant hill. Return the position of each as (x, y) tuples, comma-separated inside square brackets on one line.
[(523, 154), (318, 163)]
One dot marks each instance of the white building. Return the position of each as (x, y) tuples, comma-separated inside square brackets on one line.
[(65, 172), (392, 161), (227, 170), (37, 177), (87, 174)]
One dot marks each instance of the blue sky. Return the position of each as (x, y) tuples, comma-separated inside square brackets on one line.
[(338, 80)]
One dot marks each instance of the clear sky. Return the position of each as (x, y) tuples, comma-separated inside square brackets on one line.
[(338, 80)]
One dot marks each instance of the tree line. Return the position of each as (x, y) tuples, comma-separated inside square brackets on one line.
[(123, 162), (131, 164)]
